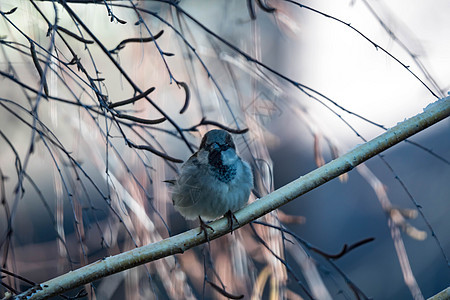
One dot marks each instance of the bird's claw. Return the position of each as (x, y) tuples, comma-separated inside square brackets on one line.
[(230, 216), (204, 228)]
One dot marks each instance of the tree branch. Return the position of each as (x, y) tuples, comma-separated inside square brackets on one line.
[(443, 295), (434, 113)]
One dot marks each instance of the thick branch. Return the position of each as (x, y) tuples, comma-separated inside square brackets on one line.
[(178, 244), (444, 295)]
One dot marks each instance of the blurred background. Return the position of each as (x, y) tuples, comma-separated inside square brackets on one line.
[(309, 83)]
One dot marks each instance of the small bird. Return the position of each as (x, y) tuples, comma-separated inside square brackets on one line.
[(213, 182)]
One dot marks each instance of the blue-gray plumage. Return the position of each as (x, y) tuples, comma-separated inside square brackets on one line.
[(213, 181)]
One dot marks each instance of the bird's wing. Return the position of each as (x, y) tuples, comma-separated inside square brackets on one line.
[(189, 185)]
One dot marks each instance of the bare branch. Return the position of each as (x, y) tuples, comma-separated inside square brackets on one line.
[(132, 100), (434, 113), (122, 44)]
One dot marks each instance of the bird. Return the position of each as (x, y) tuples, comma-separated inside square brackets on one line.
[(213, 182)]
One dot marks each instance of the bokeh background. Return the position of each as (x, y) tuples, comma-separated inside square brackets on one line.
[(289, 133)]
